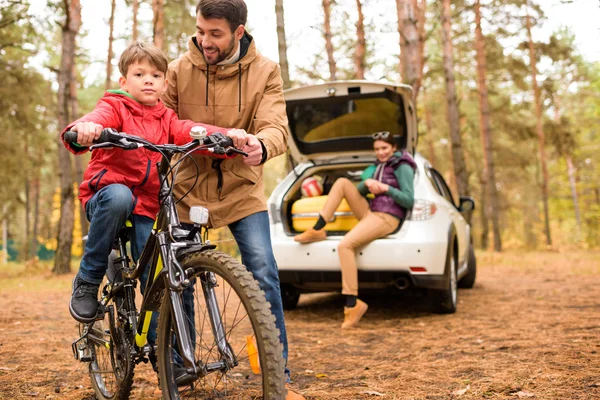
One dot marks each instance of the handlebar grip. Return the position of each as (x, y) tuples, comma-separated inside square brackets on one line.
[(71, 137)]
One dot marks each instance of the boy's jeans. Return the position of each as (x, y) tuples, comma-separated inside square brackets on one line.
[(107, 212)]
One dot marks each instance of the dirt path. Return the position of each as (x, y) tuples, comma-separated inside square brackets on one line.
[(529, 329)]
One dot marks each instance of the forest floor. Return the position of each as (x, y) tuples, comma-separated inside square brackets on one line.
[(530, 328)]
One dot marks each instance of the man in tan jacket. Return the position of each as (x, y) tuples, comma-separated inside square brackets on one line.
[(224, 81)]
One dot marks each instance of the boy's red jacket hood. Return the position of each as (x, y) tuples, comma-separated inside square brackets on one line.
[(135, 169)]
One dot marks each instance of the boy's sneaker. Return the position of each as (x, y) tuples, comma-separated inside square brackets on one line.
[(84, 300)]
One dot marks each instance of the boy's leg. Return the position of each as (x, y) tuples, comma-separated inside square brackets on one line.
[(253, 237), (107, 212), (142, 227)]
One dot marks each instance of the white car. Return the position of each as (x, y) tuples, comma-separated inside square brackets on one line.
[(330, 127)]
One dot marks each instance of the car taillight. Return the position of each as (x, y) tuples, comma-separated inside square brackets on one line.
[(423, 210)]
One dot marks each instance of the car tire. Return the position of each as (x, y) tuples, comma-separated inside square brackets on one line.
[(444, 300), (468, 281), (289, 296)]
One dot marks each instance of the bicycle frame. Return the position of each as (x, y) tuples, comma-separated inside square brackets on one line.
[(165, 274)]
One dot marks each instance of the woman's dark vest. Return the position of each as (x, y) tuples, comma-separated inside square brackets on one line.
[(385, 173)]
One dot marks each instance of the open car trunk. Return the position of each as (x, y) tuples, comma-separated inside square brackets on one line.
[(334, 122)]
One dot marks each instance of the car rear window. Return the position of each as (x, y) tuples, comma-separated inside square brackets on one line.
[(346, 122)]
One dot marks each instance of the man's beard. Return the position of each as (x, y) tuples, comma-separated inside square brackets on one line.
[(221, 55)]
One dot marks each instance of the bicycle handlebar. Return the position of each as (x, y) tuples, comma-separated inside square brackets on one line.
[(111, 138)]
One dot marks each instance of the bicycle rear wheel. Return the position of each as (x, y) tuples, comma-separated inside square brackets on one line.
[(111, 368), (249, 328)]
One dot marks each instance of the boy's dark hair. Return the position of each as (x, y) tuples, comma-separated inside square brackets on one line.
[(138, 51), (234, 12)]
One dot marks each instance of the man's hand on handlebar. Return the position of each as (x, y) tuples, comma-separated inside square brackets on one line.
[(87, 132), (239, 137), (254, 150)]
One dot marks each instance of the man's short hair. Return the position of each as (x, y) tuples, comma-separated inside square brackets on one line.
[(138, 51), (234, 12)]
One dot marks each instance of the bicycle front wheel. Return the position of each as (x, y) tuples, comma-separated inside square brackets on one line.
[(222, 286)]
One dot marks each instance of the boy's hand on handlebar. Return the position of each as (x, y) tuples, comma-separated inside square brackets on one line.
[(254, 150), (87, 132), (239, 137)]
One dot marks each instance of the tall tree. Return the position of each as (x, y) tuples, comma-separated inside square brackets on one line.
[(328, 42), (109, 58), (282, 44), (158, 23), (539, 129), (460, 167), (361, 45), (134, 28), (411, 29), (488, 175), (70, 29)]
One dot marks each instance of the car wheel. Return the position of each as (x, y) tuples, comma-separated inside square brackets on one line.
[(444, 300), (289, 296), (468, 280)]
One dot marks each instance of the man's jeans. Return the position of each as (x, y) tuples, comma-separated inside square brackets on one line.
[(253, 237), (107, 212)]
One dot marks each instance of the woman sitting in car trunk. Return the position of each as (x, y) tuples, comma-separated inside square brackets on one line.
[(390, 180)]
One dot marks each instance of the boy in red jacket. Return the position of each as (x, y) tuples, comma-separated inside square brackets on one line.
[(120, 184)]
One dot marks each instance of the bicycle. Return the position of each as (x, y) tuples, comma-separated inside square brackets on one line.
[(230, 349)]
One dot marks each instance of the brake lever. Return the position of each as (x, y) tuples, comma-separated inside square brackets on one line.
[(235, 150), (103, 145)]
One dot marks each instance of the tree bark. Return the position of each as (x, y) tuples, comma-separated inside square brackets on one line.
[(26, 247), (460, 169), (134, 28), (485, 225), (492, 209), (328, 43), (109, 58), (70, 29), (36, 213), (282, 44), (429, 126), (361, 44), (158, 23), (79, 167), (540, 131), (411, 21)]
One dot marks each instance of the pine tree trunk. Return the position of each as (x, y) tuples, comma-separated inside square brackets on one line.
[(410, 14), (328, 43), (492, 209), (540, 133), (70, 29), (36, 213), (158, 23), (79, 167), (429, 126), (4, 235), (134, 28), (360, 51), (26, 247), (111, 25), (571, 173), (485, 225), (282, 44), (460, 169)]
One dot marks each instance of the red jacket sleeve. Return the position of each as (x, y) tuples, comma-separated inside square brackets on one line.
[(103, 114), (179, 134)]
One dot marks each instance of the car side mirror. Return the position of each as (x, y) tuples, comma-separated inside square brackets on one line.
[(467, 204)]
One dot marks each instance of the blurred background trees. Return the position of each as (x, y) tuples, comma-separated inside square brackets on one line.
[(507, 113)]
